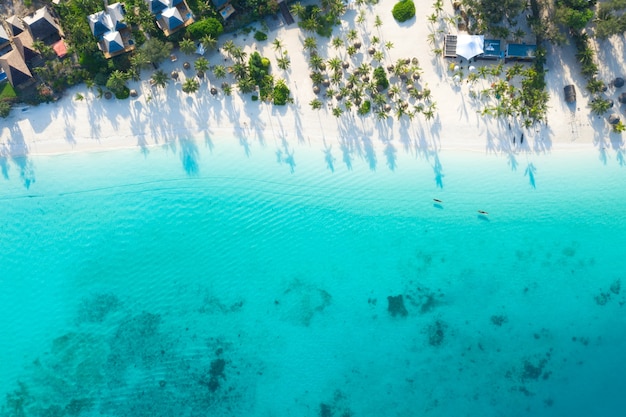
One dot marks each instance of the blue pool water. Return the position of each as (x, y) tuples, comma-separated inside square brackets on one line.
[(216, 280)]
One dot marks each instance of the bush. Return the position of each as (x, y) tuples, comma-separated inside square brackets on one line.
[(7, 92), (260, 36), (365, 108), (381, 78), (281, 93), (122, 94), (5, 109), (258, 66), (403, 10), (209, 26)]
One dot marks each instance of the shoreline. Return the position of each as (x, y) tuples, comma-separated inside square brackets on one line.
[(160, 116)]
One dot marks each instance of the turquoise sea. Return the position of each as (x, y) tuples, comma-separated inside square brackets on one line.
[(206, 278)]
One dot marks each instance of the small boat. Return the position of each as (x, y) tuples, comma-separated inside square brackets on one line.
[(484, 213), (436, 200)]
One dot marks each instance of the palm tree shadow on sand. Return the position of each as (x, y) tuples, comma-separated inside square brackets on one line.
[(530, 172), (328, 157), (189, 156)]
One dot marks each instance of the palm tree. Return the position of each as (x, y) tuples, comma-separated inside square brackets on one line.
[(378, 22), (378, 56), (159, 78), (239, 54), (337, 42), (334, 64), (599, 105), (201, 66), (310, 43), (246, 85), (219, 71), (117, 81), (352, 35), (298, 10), (361, 17), (315, 104), (187, 46), (283, 62), (228, 47), (208, 41), (191, 85), (316, 62), (337, 111), (317, 77), (239, 70), (278, 45)]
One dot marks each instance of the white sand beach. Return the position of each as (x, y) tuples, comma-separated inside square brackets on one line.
[(158, 116)]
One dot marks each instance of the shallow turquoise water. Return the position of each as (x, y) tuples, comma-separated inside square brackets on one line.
[(195, 280)]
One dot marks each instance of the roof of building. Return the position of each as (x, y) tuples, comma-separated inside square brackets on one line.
[(41, 24), (15, 68), (98, 22), (4, 36), (113, 42), (24, 45), (60, 48), (116, 14), (172, 18), (219, 3), (156, 6), (15, 25)]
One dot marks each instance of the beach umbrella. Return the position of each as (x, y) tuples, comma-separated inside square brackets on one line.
[(186, 65), (174, 75), (622, 98), (468, 46), (133, 93), (618, 82), (213, 90), (472, 68), (614, 119), (415, 61), (316, 89)]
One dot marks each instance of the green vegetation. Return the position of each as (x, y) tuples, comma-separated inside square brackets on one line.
[(205, 27), (381, 78), (117, 84), (403, 10), (260, 36), (611, 18), (191, 85), (255, 9), (7, 92), (364, 108), (574, 14), (312, 18), (5, 109), (281, 93)]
